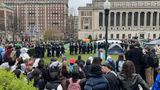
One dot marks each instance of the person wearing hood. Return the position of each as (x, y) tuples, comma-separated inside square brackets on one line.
[(54, 63), (24, 55)]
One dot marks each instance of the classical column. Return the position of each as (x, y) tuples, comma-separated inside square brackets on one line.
[(115, 13), (126, 19), (139, 18), (109, 19), (133, 19), (157, 20), (103, 19), (145, 19), (120, 24), (151, 19)]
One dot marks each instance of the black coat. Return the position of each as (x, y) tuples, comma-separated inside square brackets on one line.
[(136, 56), (132, 84), (96, 82), (114, 83)]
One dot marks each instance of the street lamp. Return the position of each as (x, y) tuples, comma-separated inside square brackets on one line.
[(107, 6)]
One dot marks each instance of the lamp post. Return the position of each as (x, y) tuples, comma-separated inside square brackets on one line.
[(107, 6)]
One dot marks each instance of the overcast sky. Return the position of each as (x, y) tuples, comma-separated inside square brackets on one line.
[(74, 4)]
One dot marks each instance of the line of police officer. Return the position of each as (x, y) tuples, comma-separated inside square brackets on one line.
[(84, 47), (53, 49)]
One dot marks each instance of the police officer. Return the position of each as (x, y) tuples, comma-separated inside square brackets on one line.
[(95, 47), (57, 50), (91, 48), (48, 50), (53, 49), (76, 48), (62, 49), (71, 48), (88, 48), (80, 48)]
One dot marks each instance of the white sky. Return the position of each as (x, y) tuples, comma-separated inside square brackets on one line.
[(74, 4)]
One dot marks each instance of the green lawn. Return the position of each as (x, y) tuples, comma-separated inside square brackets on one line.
[(84, 57)]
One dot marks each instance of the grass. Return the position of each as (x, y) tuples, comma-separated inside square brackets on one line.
[(84, 57)]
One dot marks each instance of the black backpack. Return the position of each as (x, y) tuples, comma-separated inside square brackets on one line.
[(153, 60)]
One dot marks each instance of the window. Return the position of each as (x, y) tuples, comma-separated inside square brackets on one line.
[(123, 36), (154, 18), (118, 19), (148, 18), (100, 19), (112, 36), (100, 36), (136, 19), (123, 19), (112, 19), (142, 19), (117, 36), (154, 36)]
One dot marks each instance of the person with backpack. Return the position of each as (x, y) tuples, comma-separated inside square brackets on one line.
[(74, 83), (151, 61), (129, 80), (54, 83)]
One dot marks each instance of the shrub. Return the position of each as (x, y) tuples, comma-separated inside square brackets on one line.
[(8, 81)]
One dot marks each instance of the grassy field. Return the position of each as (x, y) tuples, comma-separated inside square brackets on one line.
[(84, 57)]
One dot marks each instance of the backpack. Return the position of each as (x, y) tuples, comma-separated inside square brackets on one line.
[(153, 60), (74, 86)]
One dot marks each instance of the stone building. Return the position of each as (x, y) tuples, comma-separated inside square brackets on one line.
[(72, 28), (127, 19), (36, 16), (6, 17)]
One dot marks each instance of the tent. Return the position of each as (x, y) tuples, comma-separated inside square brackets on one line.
[(115, 49), (154, 42)]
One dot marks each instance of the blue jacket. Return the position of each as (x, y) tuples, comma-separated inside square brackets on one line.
[(156, 85), (96, 82), (2, 51)]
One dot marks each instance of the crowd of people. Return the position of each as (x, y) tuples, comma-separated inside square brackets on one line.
[(136, 69)]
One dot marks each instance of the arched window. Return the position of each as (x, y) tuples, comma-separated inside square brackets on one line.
[(154, 18), (118, 19), (112, 19), (123, 18), (142, 19), (148, 18), (136, 19), (129, 18)]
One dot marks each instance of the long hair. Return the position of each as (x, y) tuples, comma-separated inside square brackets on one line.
[(128, 69), (120, 57)]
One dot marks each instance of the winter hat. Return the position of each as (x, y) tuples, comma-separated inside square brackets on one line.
[(72, 61)]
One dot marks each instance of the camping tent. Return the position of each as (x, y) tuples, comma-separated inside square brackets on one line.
[(115, 49), (154, 42)]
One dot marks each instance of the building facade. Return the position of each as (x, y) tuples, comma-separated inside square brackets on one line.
[(72, 28), (127, 19), (37, 16), (6, 17)]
